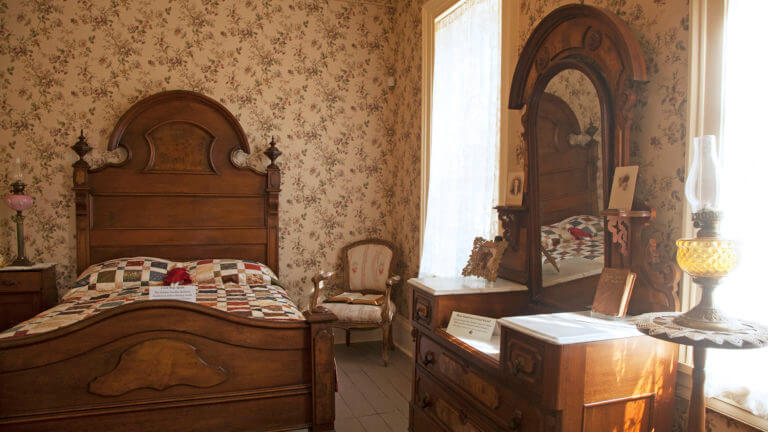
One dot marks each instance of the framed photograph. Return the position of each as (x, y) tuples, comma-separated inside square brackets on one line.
[(623, 188), (485, 258), (515, 188)]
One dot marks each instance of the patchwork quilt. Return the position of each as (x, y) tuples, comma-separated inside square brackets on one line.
[(562, 241), (587, 248), (239, 287)]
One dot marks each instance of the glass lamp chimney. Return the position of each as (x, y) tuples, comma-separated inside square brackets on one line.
[(18, 173), (702, 187)]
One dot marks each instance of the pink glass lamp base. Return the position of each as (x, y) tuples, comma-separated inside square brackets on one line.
[(20, 202)]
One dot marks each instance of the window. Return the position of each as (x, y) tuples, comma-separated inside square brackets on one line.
[(740, 375), (462, 130), (727, 94)]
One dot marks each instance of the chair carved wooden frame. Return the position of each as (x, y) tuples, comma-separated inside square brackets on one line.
[(386, 316)]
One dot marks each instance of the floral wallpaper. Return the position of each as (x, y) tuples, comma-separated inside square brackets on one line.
[(313, 73), (406, 139)]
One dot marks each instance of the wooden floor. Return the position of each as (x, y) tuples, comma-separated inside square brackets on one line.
[(371, 397)]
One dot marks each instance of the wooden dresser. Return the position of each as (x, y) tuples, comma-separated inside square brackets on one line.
[(550, 372), (25, 292)]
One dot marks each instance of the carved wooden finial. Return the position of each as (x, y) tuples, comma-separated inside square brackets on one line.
[(81, 147), (272, 153)]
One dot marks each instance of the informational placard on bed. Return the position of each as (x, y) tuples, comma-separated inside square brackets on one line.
[(178, 292), (467, 326)]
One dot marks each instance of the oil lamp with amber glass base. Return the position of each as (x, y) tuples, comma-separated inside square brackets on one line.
[(707, 257)]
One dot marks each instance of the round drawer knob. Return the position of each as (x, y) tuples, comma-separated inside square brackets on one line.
[(429, 358), (425, 401), (517, 365)]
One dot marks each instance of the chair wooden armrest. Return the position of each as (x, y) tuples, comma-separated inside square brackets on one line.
[(391, 282), (318, 280)]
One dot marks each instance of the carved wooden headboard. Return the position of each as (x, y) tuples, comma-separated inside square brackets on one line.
[(567, 173), (178, 195)]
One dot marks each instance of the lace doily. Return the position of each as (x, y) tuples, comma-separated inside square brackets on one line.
[(661, 325)]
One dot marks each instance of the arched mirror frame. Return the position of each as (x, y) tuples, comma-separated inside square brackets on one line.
[(599, 44)]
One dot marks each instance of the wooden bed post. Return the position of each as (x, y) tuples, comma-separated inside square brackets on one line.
[(323, 370), (323, 362), (82, 202), (273, 203)]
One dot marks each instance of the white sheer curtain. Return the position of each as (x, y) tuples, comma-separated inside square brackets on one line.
[(464, 149), (740, 375)]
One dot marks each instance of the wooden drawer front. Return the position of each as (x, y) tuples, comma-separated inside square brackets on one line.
[(423, 310), (523, 361), (448, 366), (29, 281), (506, 407), (448, 412), (421, 422)]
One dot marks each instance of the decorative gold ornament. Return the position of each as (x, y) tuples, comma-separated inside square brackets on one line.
[(485, 258)]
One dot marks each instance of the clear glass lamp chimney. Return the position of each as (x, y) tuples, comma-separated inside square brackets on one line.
[(702, 187), (18, 173)]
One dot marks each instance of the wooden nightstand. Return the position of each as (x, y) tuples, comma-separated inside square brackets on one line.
[(25, 292)]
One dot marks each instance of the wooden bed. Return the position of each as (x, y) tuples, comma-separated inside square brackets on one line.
[(170, 365)]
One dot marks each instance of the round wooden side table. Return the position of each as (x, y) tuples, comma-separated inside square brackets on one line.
[(661, 325)]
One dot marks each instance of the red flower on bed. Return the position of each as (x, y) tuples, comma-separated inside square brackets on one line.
[(179, 275), (579, 234)]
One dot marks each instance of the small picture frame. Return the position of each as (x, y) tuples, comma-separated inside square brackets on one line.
[(623, 188), (485, 258), (515, 188)]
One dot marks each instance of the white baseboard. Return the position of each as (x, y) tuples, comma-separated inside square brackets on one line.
[(401, 336)]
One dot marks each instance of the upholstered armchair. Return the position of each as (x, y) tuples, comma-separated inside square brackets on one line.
[(367, 268)]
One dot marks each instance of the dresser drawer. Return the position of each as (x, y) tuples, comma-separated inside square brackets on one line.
[(524, 362), (24, 281), (506, 407), (421, 422), (445, 410), (449, 367), (423, 310)]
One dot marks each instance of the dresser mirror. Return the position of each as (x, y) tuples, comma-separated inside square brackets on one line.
[(576, 83), (570, 179)]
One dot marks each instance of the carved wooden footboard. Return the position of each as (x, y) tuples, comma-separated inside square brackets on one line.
[(167, 365)]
